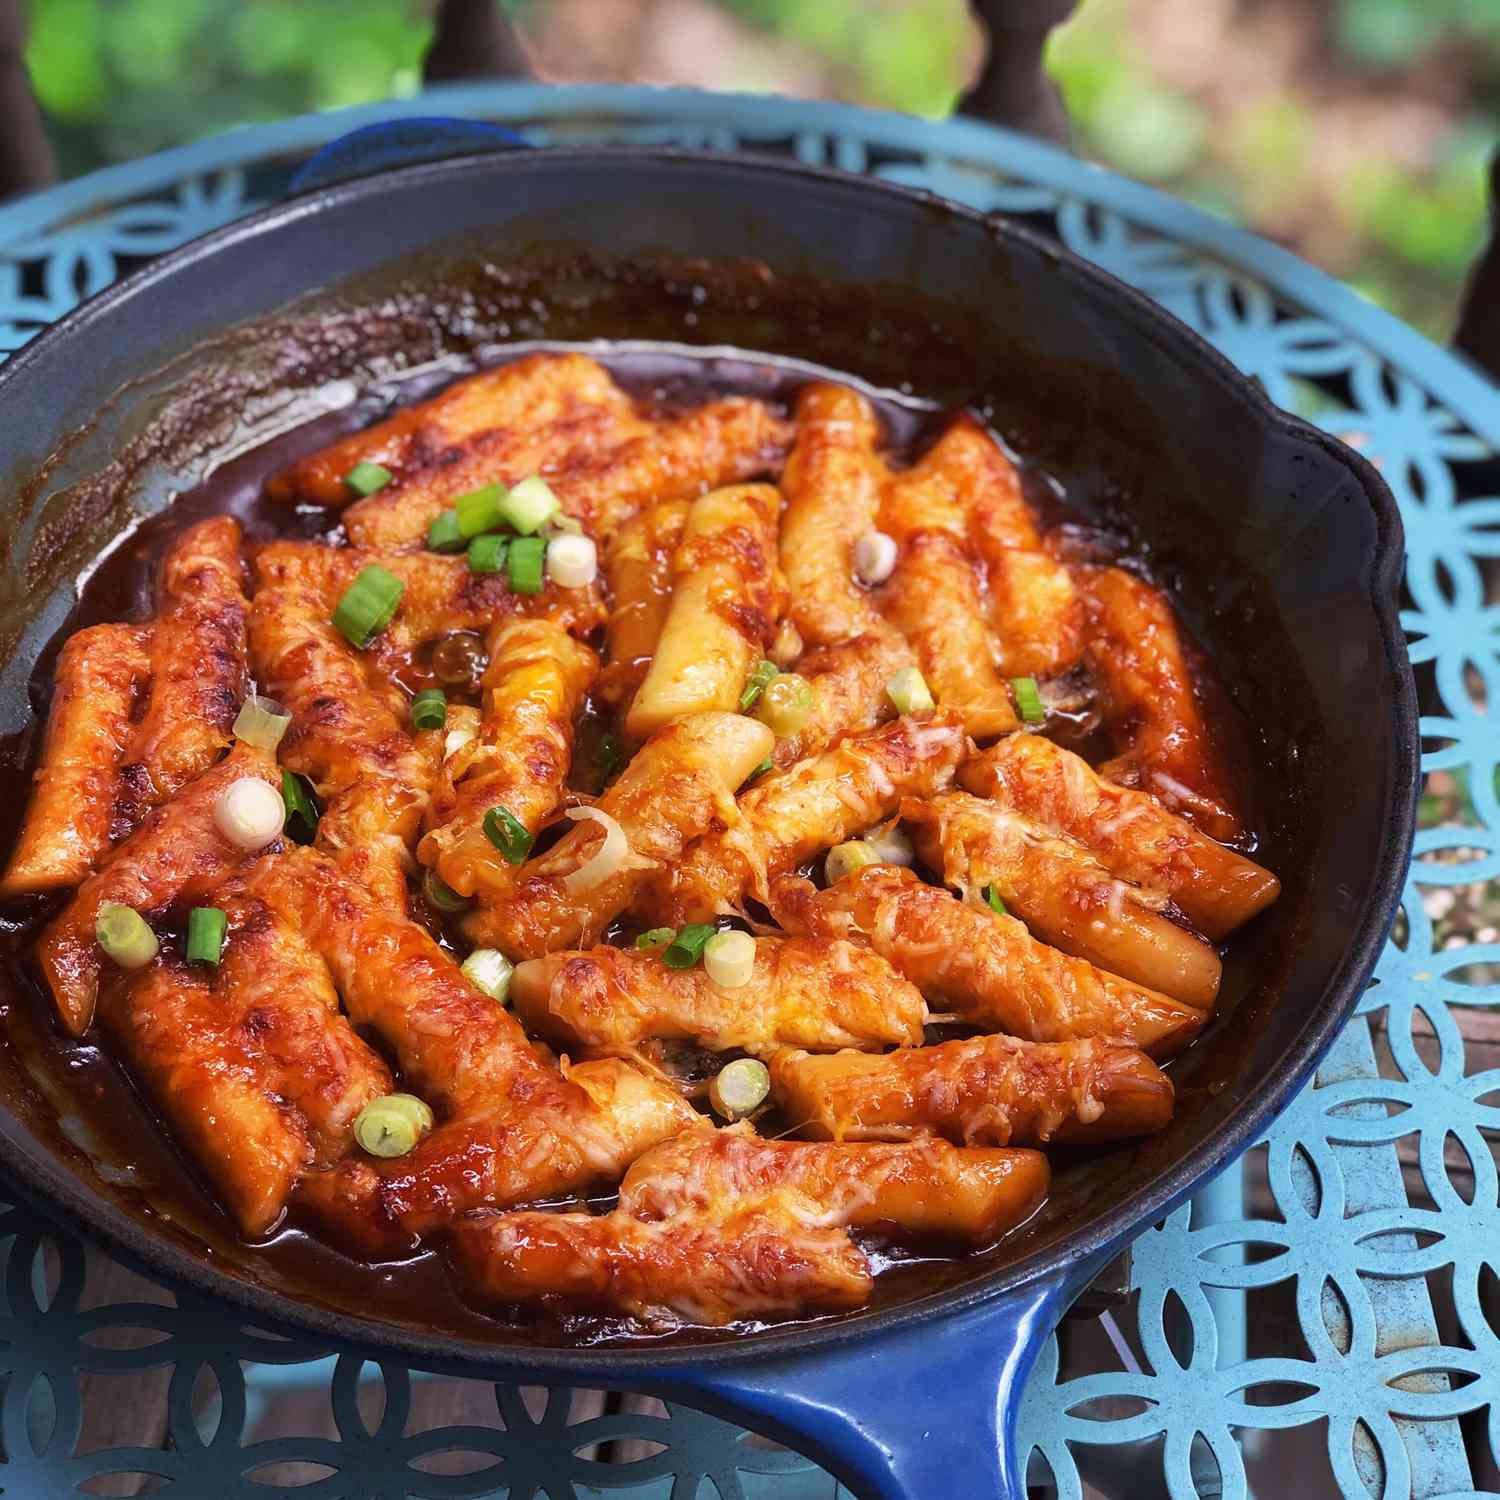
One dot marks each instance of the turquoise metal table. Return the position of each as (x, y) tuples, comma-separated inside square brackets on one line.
[(1323, 1320)]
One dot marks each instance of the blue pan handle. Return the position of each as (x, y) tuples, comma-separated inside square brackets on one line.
[(926, 1412), (398, 143)]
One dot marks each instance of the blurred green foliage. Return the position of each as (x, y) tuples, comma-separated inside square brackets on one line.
[(1404, 232), (119, 78)]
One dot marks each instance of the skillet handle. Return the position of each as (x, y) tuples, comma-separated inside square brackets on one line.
[(398, 143), (927, 1412)]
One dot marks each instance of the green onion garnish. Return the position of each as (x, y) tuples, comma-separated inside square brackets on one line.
[(123, 934), (909, 693), (508, 834), (756, 683), (740, 1089), (392, 1124), (487, 554), (429, 709), (366, 478), (766, 765), (479, 510), (611, 758), (657, 937), (368, 605), (489, 970), (1028, 700), (523, 564), (443, 535), (301, 808), (205, 936), (993, 901), (687, 947), (440, 895), (529, 504), (261, 722)]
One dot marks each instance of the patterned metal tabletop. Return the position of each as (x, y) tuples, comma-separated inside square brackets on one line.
[(1323, 1320)]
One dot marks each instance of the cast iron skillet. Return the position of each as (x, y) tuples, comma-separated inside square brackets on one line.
[(1284, 549)]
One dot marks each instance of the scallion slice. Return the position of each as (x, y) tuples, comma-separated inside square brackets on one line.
[(740, 1088), (261, 722), (366, 478), (440, 895), (479, 510), (687, 947), (429, 709), (1028, 700), (301, 808), (729, 959), (490, 970), (124, 935), (508, 834), (786, 704), (368, 605), (657, 937), (756, 683), (909, 693), (844, 859), (524, 561), (392, 1124), (993, 901), (443, 535), (487, 554), (205, 935), (529, 504)]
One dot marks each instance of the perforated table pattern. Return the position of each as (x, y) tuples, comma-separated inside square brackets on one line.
[(1321, 1321)]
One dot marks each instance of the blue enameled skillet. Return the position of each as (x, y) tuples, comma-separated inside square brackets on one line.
[(1284, 550)]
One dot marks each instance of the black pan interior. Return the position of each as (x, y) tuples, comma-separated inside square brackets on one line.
[(1280, 547)]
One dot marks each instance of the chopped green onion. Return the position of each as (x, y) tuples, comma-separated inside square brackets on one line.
[(729, 958), (529, 504), (657, 937), (786, 704), (429, 709), (392, 1124), (261, 722), (909, 692), (443, 535), (440, 895), (845, 859), (301, 808), (205, 936), (1028, 700), (766, 765), (487, 554), (756, 683), (684, 950), (250, 813), (993, 901), (524, 562), (479, 510), (366, 478), (368, 605), (740, 1088), (611, 758), (123, 934), (508, 834), (489, 969), (562, 525)]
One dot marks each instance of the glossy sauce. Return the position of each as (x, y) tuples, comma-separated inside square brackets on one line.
[(97, 1106)]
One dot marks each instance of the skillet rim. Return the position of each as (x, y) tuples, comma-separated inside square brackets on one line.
[(64, 1196)]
